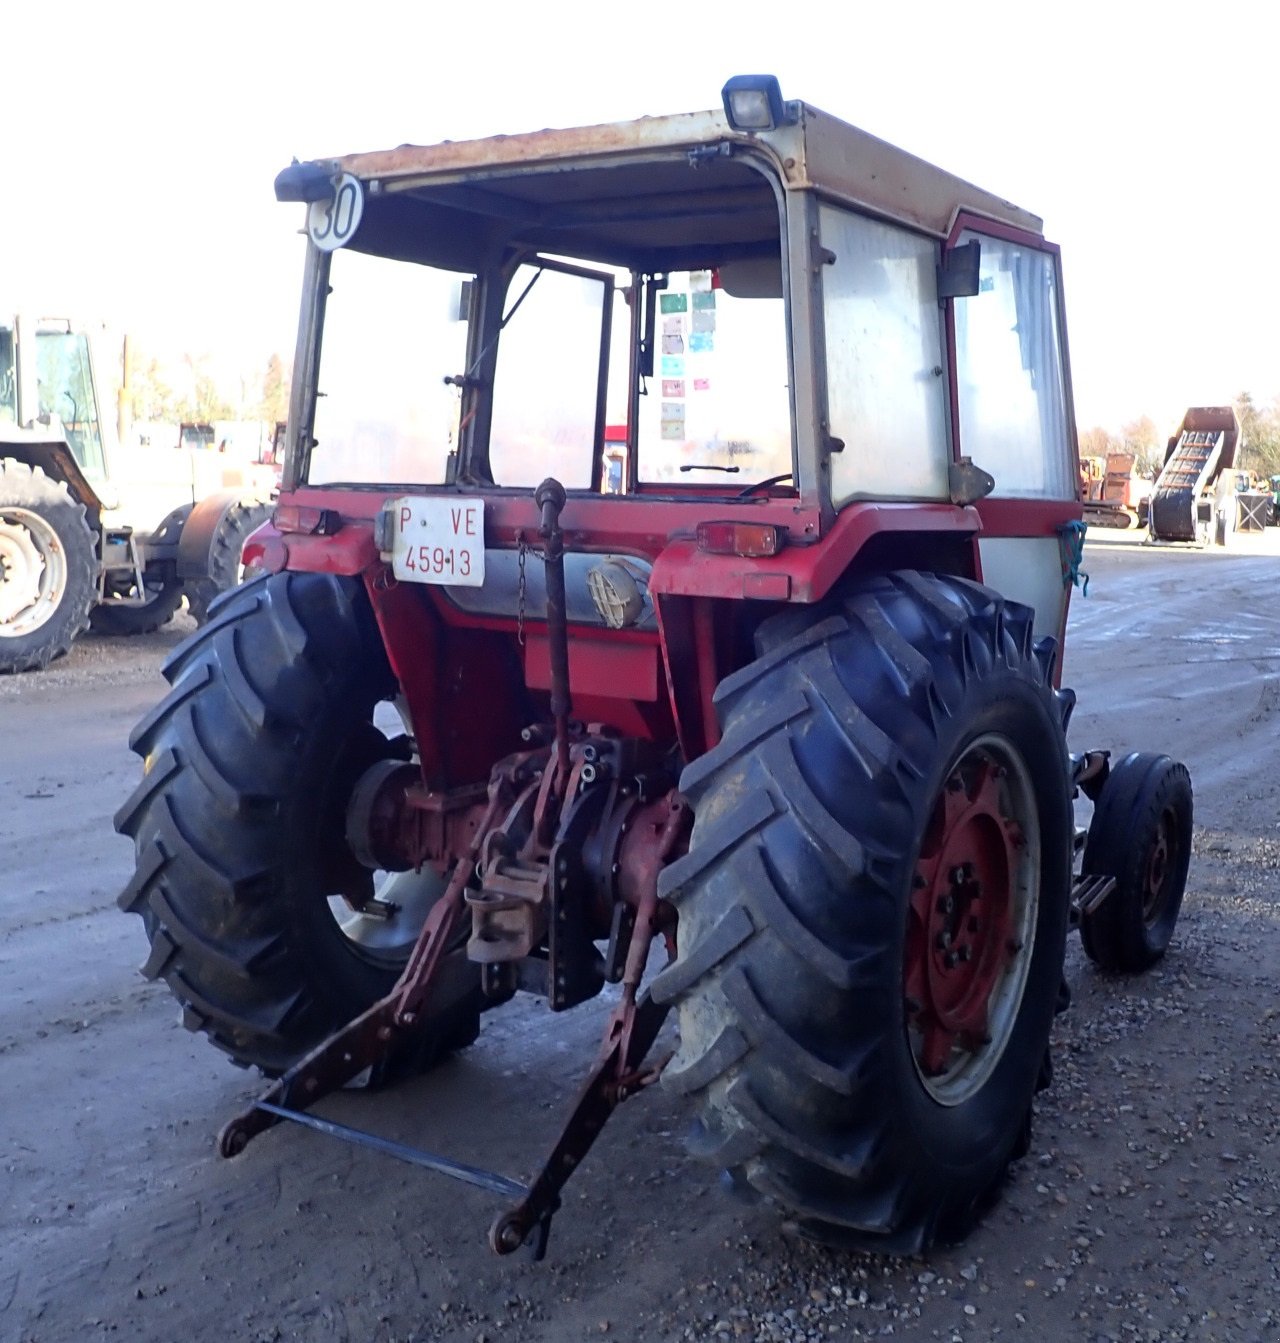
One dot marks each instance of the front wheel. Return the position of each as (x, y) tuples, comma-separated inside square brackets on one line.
[(126, 611), (873, 911), (1140, 835)]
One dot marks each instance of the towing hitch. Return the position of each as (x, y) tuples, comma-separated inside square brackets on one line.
[(528, 1222), (565, 852), (632, 1028)]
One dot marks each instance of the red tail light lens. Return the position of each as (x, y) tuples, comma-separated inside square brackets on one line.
[(309, 521), (751, 540)]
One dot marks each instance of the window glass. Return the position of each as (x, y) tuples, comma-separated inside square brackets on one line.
[(718, 407), (65, 386), (546, 388), (8, 378), (391, 336), (1012, 399), (885, 390)]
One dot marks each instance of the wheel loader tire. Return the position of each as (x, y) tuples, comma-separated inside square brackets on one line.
[(223, 571), (243, 875), (1141, 835), (164, 596), (48, 568), (873, 911)]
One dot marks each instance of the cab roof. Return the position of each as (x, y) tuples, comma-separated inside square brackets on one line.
[(815, 152)]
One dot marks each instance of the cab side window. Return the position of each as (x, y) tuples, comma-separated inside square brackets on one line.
[(1011, 389)]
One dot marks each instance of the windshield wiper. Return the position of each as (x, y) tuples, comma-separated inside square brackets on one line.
[(710, 466)]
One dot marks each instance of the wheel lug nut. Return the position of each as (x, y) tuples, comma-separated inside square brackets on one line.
[(943, 941), (949, 960), (945, 904), (966, 953)]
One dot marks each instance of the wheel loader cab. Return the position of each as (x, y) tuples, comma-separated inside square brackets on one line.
[(53, 384)]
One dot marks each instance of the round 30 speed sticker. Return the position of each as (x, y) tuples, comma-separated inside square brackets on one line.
[(332, 222)]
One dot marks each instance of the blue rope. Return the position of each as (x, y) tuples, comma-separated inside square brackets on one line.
[(1071, 539)]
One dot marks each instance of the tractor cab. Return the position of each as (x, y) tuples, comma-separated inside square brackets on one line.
[(801, 330)]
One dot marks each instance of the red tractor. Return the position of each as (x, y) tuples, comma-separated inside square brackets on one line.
[(777, 688)]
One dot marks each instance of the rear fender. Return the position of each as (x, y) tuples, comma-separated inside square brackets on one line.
[(708, 605), (199, 530), (162, 544), (57, 461)]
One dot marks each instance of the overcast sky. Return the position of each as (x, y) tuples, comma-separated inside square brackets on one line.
[(142, 140)]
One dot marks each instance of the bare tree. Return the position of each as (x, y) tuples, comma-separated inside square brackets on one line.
[(1260, 430)]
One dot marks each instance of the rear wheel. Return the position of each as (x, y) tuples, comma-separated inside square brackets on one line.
[(1141, 835), (873, 911), (262, 921), (223, 569), (48, 568)]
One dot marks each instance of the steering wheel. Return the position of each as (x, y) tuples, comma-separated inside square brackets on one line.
[(767, 483)]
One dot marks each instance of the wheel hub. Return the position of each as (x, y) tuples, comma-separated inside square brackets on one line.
[(1159, 864), (971, 914), (22, 568), (32, 574)]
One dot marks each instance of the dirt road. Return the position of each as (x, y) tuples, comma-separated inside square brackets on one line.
[(1147, 1210)]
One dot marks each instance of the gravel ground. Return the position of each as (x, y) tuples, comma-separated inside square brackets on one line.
[(1146, 1210)]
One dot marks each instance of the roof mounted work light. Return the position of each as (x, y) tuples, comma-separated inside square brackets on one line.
[(754, 103)]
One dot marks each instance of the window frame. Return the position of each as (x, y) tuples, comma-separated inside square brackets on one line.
[(983, 227), (946, 352)]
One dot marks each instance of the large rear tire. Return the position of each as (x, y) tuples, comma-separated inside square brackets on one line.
[(48, 568), (873, 910), (223, 569), (248, 890)]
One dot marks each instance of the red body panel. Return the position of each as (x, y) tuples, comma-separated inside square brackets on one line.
[(801, 573), (647, 683)]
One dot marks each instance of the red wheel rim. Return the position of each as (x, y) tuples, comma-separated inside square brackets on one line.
[(971, 920)]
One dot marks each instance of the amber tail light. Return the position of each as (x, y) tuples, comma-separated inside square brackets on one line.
[(751, 540), (308, 521)]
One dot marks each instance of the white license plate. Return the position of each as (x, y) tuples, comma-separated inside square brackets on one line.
[(438, 540)]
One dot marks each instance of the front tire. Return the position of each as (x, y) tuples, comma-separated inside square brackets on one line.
[(1141, 835), (247, 888), (873, 910), (161, 594)]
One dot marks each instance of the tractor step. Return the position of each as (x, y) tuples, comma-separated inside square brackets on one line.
[(1088, 893)]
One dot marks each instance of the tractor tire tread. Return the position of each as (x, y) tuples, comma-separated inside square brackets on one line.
[(30, 487), (224, 820), (796, 1094)]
